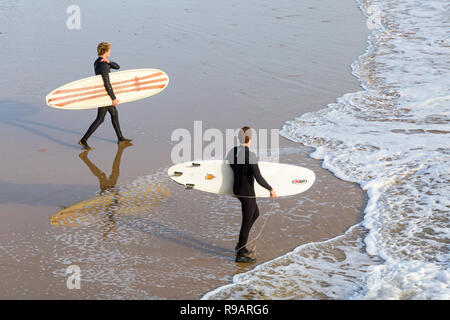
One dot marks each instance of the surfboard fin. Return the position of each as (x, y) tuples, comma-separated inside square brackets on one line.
[(189, 186), (177, 173), (195, 164)]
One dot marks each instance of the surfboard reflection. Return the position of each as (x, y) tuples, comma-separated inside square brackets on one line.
[(112, 201)]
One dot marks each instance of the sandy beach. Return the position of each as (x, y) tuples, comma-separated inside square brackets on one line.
[(231, 64)]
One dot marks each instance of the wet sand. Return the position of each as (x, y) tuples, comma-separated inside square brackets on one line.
[(232, 64)]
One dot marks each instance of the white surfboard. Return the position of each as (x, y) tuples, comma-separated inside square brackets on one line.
[(128, 85), (216, 176)]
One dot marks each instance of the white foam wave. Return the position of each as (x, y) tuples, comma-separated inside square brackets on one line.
[(392, 138)]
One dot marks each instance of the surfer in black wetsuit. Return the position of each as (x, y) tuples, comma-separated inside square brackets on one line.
[(103, 66), (244, 164)]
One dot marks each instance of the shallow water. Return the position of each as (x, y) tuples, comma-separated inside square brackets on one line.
[(392, 138), (231, 64)]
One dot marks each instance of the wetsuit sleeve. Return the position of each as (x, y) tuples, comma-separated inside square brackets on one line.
[(257, 174), (105, 75), (114, 65), (259, 178)]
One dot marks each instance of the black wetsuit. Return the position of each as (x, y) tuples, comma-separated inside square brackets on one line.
[(244, 164), (103, 68)]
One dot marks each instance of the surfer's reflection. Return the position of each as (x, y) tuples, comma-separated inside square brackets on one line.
[(108, 186), (106, 183), (113, 201)]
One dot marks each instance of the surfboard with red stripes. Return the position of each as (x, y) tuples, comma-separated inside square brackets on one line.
[(128, 85)]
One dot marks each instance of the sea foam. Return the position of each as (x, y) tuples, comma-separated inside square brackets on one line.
[(392, 138)]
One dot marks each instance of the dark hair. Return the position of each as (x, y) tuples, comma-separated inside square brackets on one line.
[(245, 134)]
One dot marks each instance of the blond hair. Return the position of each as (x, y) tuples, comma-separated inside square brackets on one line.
[(103, 47)]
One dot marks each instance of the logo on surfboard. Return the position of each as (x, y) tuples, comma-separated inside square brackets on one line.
[(299, 181)]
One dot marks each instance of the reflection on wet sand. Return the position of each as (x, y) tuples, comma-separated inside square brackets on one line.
[(112, 201)]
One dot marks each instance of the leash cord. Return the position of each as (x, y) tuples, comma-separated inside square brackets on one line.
[(263, 226)]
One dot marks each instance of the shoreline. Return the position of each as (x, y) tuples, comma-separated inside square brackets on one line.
[(194, 241)]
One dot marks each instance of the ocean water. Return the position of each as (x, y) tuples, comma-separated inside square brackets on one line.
[(391, 137)]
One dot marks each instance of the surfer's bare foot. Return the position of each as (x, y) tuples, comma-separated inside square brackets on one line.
[(123, 145), (84, 145), (244, 259), (124, 140)]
